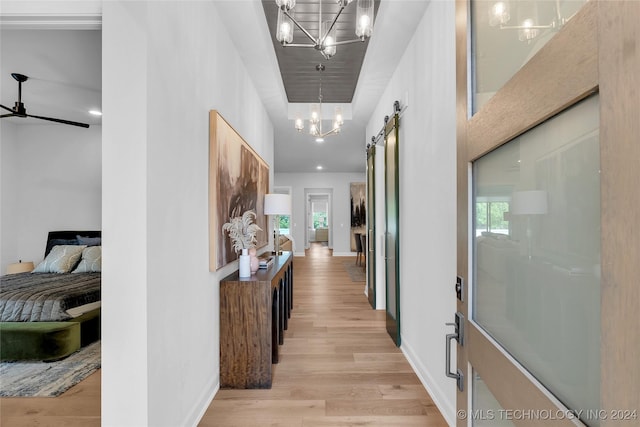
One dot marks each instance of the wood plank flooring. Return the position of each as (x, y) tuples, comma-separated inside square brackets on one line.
[(77, 407), (338, 368)]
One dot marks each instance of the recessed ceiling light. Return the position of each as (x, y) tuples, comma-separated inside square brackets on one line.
[(95, 112), (319, 167)]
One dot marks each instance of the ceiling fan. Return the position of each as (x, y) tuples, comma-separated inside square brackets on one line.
[(20, 111)]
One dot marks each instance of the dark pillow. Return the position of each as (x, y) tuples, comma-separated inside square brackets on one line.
[(89, 241)]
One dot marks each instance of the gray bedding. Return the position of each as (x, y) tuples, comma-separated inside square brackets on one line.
[(44, 297)]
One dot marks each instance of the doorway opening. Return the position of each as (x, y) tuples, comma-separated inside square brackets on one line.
[(318, 218)]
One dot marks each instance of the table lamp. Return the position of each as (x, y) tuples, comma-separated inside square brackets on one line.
[(277, 204), (531, 202)]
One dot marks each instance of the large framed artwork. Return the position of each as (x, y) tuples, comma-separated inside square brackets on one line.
[(358, 211), (238, 181)]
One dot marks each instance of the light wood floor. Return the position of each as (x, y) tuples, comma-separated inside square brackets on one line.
[(338, 367)]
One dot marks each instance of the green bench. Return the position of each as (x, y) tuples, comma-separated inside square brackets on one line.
[(48, 341)]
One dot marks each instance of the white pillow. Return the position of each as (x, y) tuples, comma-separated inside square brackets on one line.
[(61, 259), (91, 260)]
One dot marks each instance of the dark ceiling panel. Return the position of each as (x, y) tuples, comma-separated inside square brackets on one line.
[(298, 65)]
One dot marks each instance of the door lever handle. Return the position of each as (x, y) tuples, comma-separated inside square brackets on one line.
[(458, 335)]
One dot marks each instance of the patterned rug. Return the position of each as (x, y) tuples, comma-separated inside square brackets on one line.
[(48, 379), (356, 272)]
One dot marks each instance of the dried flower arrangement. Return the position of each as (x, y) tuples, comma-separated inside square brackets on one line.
[(242, 231)]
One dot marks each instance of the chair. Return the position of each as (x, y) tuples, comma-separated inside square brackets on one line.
[(358, 247)]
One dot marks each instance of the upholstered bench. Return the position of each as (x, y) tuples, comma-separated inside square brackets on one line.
[(38, 340), (48, 341)]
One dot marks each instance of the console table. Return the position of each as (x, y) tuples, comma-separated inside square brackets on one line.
[(254, 313)]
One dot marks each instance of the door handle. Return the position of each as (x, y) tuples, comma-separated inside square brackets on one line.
[(458, 335), (370, 241)]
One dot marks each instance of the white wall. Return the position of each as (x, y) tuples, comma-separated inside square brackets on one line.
[(8, 233), (340, 183), (51, 180), (165, 65), (427, 196)]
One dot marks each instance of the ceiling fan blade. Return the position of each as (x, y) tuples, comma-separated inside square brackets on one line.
[(9, 115), (6, 108), (66, 122)]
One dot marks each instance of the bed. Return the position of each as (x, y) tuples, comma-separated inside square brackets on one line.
[(46, 315)]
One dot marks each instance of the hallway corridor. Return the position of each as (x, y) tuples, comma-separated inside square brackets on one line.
[(338, 366)]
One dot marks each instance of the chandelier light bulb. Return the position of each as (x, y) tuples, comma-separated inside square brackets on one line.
[(365, 21), (329, 42), (285, 29), (329, 47), (364, 18), (338, 116), (299, 124), (284, 33), (288, 4), (315, 113), (527, 33), (499, 14)]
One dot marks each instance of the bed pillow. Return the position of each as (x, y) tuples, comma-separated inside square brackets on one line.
[(91, 260), (56, 242), (61, 259), (89, 241)]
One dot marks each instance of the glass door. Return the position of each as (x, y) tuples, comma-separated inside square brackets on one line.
[(392, 248), (546, 196), (371, 223)]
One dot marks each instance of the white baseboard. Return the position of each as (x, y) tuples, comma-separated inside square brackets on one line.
[(447, 408), (344, 254), (202, 404), (299, 254)]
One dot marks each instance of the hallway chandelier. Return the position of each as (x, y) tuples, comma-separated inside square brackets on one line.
[(325, 42), (528, 28), (315, 117)]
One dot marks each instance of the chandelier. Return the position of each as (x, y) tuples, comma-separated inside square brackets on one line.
[(528, 29), (315, 117), (325, 42)]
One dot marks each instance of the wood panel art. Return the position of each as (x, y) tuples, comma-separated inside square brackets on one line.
[(358, 193), (238, 181)]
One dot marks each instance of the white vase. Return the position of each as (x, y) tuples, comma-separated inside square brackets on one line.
[(245, 264)]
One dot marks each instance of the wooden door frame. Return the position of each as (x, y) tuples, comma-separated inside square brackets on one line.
[(601, 48)]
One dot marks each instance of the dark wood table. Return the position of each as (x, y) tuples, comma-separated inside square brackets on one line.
[(254, 312)]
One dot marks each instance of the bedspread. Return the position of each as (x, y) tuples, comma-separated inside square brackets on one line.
[(44, 297)]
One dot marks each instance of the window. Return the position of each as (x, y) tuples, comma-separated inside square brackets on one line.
[(285, 220), (320, 220), (491, 216), (285, 227)]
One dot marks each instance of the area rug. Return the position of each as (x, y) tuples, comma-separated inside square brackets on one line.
[(356, 272), (48, 379)]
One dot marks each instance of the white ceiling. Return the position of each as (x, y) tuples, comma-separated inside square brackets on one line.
[(65, 78), (64, 69)]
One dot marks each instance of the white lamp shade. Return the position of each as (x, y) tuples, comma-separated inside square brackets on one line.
[(532, 202), (277, 204)]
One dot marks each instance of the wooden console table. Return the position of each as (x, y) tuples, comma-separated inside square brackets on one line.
[(254, 313)]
